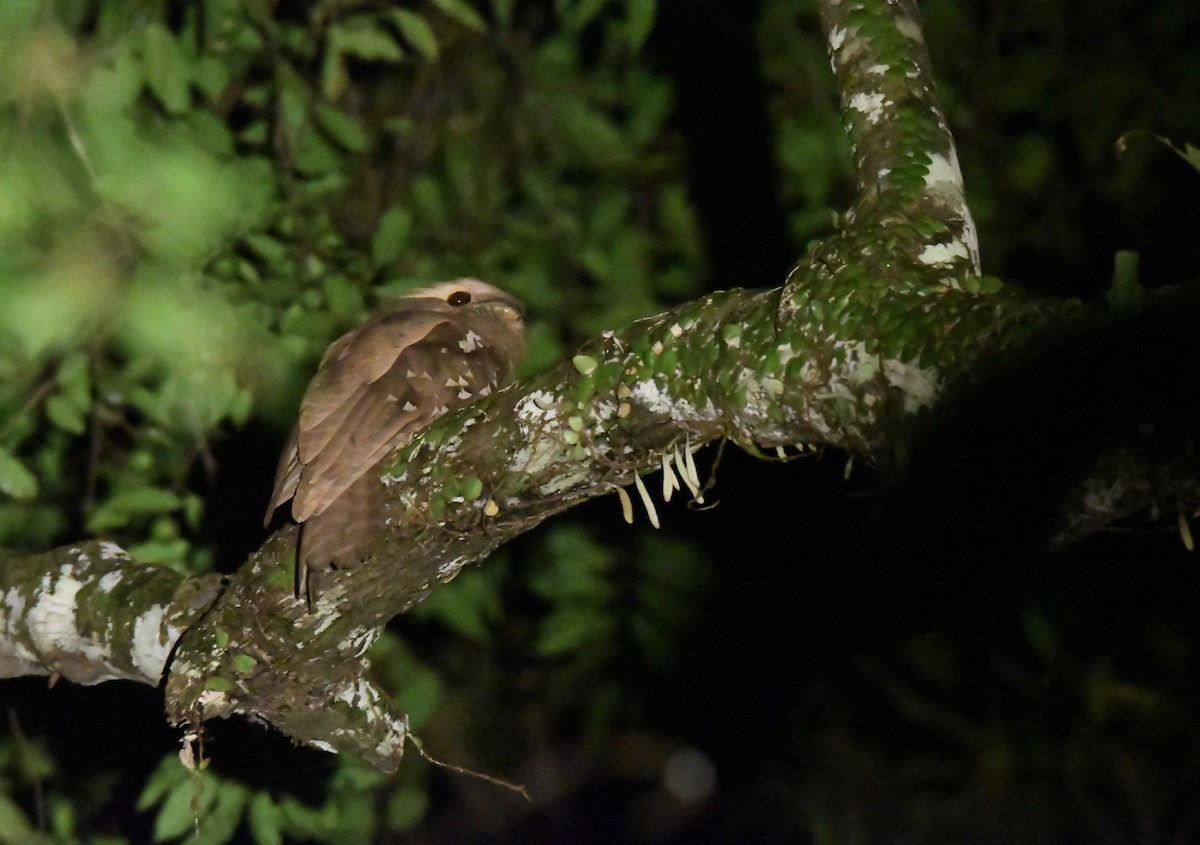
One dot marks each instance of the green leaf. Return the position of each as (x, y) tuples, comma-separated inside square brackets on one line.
[(120, 508), (165, 776), (429, 201), (63, 820), (211, 76), (461, 12), (165, 68), (341, 128), (406, 807), (593, 134), (574, 628), (362, 37), (503, 10), (219, 823), (67, 409), (14, 826), (162, 552), (585, 364), (639, 22), (420, 693), (470, 605), (472, 487), (576, 569), (416, 31), (16, 481), (176, 815), (1124, 296), (264, 818), (391, 235), (577, 15), (343, 297)]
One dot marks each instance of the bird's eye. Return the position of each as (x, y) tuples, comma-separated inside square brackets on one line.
[(459, 297)]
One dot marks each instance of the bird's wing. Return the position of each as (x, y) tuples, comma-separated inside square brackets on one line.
[(287, 475), (356, 358), (375, 393)]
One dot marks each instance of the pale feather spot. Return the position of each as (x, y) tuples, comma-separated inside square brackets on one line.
[(464, 394), (408, 406), (411, 374), (471, 342), (486, 390)]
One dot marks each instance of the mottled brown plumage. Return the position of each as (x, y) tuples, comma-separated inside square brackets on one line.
[(377, 387)]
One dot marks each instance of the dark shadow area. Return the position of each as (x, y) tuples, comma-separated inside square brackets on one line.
[(709, 50)]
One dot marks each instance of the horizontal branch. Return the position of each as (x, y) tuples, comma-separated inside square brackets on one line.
[(89, 613)]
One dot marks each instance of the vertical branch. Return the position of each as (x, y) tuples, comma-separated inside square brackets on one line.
[(910, 188), (904, 152)]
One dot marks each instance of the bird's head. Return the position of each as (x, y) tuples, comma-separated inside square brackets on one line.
[(473, 295)]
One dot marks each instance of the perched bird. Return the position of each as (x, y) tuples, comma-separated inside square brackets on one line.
[(376, 388)]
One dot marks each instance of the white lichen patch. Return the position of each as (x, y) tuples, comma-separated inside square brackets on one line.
[(322, 745), (51, 620), (561, 483), (398, 728), (759, 402), (538, 406), (943, 179), (326, 616), (211, 699), (910, 29), (534, 414), (14, 601), (919, 386), (837, 38), (1103, 497), (653, 398), (603, 411), (970, 237), (153, 641), (361, 695), (109, 581), (448, 570), (871, 105), (878, 69), (15, 656), (943, 255), (359, 640), (772, 386), (111, 551), (786, 353), (860, 366), (539, 453)]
